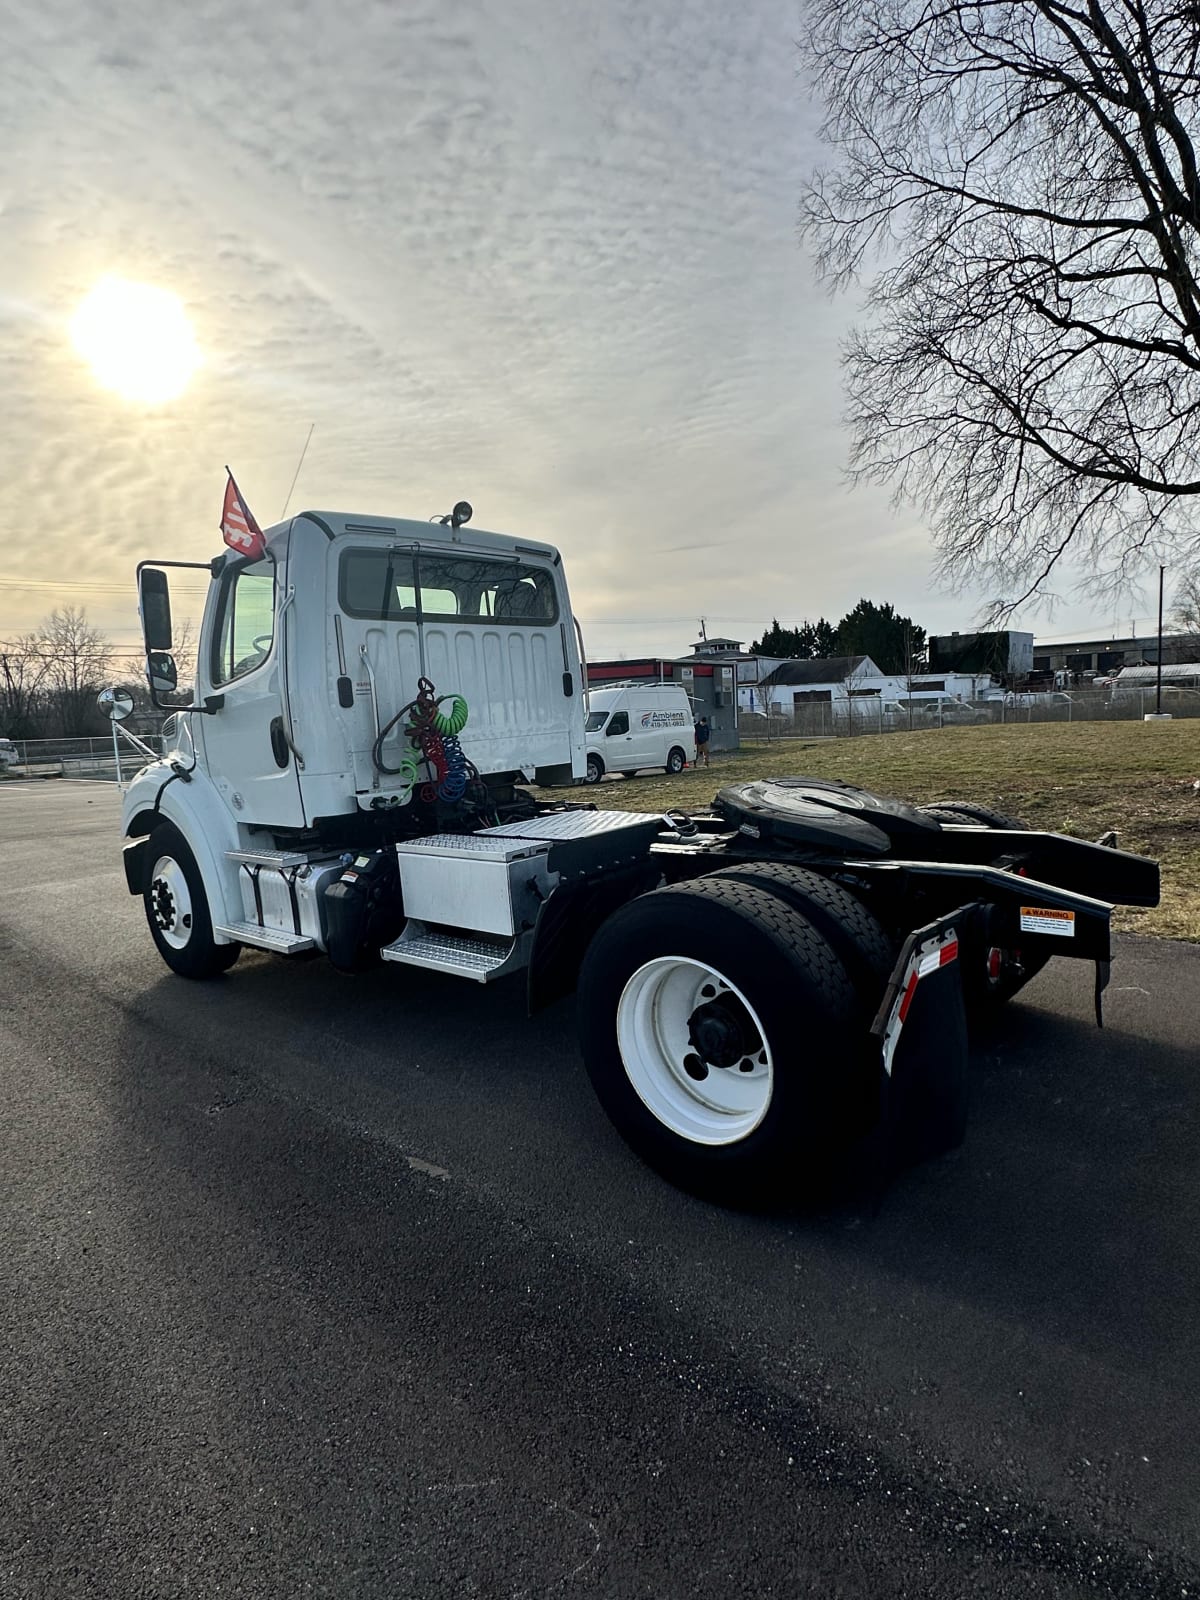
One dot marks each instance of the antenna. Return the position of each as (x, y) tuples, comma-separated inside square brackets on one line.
[(703, 630), (296, 474)]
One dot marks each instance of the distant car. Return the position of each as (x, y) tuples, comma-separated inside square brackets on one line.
[(869, 714), (948, 712), (8, 754)]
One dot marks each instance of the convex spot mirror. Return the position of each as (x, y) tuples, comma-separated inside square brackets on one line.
[(116, 704), (162, 672), (154, 598)]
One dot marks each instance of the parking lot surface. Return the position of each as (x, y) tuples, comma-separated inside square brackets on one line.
[(345, 1287)]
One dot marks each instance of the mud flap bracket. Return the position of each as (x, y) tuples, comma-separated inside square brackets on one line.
[(921, 1027), (1103, 971)]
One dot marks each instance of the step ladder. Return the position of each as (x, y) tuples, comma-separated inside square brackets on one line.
[(480, 957), (280, 941), (273, 939)]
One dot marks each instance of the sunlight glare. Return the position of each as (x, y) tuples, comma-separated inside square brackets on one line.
[(137, 340)]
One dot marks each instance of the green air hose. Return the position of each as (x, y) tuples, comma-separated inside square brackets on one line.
[(452, 722)]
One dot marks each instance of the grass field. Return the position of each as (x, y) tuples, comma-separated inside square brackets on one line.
[(1079, 778)]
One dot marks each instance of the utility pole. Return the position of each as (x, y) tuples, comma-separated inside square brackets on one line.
[(1158, 675)]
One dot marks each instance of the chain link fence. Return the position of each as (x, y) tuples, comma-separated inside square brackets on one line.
[(75, 758), (847, 719)]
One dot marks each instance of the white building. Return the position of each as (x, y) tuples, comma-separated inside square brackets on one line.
[(788, 684)]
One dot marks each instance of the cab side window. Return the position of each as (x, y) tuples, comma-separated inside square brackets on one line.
[(246, 627), (618, 723)]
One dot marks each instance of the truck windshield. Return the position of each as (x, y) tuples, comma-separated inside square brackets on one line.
[(595, 721), (386, 584)]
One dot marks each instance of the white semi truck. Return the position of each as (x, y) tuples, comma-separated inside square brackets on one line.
[(758, 984)]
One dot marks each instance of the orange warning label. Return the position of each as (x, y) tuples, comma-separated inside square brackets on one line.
[(1041, 919)]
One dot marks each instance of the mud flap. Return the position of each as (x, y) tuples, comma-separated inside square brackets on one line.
[(133, 857), (921, 1028)]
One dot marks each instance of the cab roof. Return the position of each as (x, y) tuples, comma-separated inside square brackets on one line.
[(405, 530)]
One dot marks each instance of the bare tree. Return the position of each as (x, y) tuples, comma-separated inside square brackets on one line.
[(76, 657), (1185, 613), (1026, 174), (23, 669), (764, 694), (183, 648)]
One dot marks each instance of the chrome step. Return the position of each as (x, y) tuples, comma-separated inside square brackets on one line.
[(278, 859), (465, 955), (283, 944)]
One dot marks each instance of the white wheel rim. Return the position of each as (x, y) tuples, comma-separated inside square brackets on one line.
[(170, 902), (657, 1018)]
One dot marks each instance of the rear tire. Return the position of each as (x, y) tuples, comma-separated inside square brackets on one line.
[(689, 1003), (676, 761), (177, 908), (959, 811), (856, 935)]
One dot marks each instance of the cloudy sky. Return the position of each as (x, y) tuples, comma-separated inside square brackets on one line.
[(536, 254)]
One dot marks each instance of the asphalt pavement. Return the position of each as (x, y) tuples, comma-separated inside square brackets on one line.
[(312, 1285)]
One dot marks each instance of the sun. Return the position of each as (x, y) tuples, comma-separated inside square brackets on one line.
[(137, 340)]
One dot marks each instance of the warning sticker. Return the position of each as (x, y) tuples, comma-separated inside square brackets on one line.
[(1040, 919)]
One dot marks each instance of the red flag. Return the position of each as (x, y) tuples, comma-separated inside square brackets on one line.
[(238, 527)]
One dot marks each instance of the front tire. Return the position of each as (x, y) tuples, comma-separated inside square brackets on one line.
[(676, 762), (723, 1038), (177, 908), (595, 770)]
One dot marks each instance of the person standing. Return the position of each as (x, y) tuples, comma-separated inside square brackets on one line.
[(702, 736)]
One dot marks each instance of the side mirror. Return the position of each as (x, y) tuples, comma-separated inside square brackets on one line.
[(162, 672), (116, 704), (154, 601)]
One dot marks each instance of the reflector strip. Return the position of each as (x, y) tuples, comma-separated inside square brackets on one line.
[(910, 989), (926, 958)]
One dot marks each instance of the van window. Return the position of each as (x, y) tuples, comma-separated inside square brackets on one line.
[(246, 625), (595, 721), (385, 584), (618, 724)]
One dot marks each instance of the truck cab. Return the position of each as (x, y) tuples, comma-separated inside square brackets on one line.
[(307, 654)]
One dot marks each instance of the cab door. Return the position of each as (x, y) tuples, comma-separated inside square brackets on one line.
[(247, 745)]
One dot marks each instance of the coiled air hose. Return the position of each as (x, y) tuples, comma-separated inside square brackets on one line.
[(434, 744)]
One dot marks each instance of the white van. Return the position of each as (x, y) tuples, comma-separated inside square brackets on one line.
[(631, 726)]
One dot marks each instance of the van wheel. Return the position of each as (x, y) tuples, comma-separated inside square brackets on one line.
[(177, 908), (676, 762), (722, 1037), (595, 770)]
